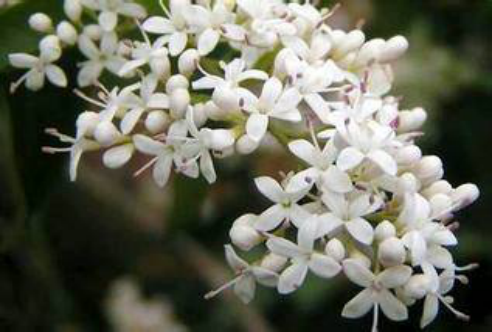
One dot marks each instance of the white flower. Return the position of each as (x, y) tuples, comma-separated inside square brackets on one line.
[(286, 206), (166, 154), (155, 55), (247, 276), (274, 102), (40, 67), (111, 9), (99, 58), (174, 28), (303, 258), (347, 213), (368, 141), (322, 171), (206, 139), (376, 293)]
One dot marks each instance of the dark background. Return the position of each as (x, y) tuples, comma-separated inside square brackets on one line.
[(63, 244)]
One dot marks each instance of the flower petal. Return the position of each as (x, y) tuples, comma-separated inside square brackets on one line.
[(256, 127), (292, 277), (358, 273), (324, 266), (271, 218), (392, 308), (349, 158), (207, 41), (361, 230), (359, 305), (384, 160), (395, 276), (118, 156)]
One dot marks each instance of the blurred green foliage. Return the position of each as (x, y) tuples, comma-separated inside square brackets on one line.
[(62, 244)]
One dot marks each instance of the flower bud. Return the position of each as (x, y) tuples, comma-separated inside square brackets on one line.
[(335, 249), (41, 22), (440, 205), (384, 230), (337, 37), (243, 234), (93, 31), (199, 114), (177, 82), (429, 169), (411, 120), (408, 183), (73, 9), (156, 121), (50, 48), (67, 33), (280, 64), (352, 41), (391, 252), (438, 187), (218, 139), (408, 155), (273, 262), (465, 194), (393, 49), (188, 62), (179, 100), (417, 286), (369, 51), (86, 123), (160, 66), (213, 112), (226, 99), (246, 145), (106, 133)]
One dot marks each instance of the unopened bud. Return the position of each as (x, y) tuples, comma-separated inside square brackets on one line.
[(226, 99), (465, 194), (106, 133), (384, 230), (411, 120), (438, 187), (243, 234), (86, 123), (408, 155), (93, 31), (393, 49), (161, 66), (156, 121), (429, 169), (391, 252), (408, 183), (417, 286), (73, 9), (177, 82), (67, 33), (440, 204), (50, 48), (41, 22), (352, 41), (188, 62), (335, 249), (179, 101)]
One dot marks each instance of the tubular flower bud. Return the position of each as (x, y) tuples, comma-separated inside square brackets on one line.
[(41, 22), (243, 234), (391, 252)]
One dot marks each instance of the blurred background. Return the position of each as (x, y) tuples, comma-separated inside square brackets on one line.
[(109, 250)]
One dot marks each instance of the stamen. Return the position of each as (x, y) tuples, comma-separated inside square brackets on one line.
[(53, 150), (145, 167), (468, 267), (375, 318), (222, 288), (457, 313), (88, 99), (14, 86)]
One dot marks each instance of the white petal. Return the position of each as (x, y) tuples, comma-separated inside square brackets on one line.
[(271, 218), (392, 308), (349, 158), (297, 214), (207, 167), (207, 41), (439, 257), (292, 278), (89, 73), (394, 276), (270, 93), (257, 126), (265, 277), (245, 288), (147, 145), (130, 66), (361, 230), (307, 234), (270, 188), (358, 273), (234, 261), (359, 206), (303, 150), (207, 82), (130, 120), (162, 170), (359, 305), (158, 100), (417, 245), (177, 43), (336, 180), (22, 60), (385, 161), (328, 223), (56, 76), (324, 266), (108, 20), (282, 247), (158, 25), (431, 308), (118, 156), (319, 106)]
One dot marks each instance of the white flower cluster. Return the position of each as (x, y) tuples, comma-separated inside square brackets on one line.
[(129, 311), (211, 78)]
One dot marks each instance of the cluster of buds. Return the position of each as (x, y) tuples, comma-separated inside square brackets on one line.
[(214, 78)]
